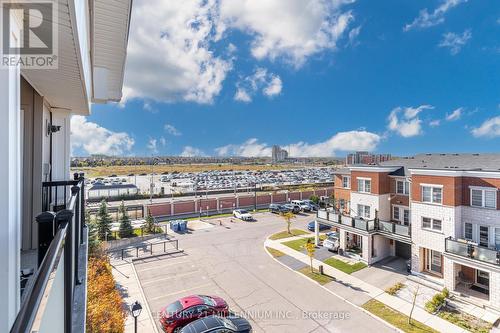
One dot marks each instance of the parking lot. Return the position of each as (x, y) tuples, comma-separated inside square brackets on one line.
[(229, 261)]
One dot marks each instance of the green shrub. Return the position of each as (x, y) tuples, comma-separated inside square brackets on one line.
[(437, 301)]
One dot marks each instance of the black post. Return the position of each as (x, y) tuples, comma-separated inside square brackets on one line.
[(135, 324), (46, 232), (255, 197)]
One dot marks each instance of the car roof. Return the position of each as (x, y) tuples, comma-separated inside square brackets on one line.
[(204, 324), (189, 301)]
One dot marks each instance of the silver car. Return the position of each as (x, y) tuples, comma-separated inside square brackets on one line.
[(332, 242)]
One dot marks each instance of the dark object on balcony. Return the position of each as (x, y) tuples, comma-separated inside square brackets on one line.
[(46, 232)]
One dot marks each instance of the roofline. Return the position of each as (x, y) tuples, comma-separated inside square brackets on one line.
[(455, 173), (375, 168)]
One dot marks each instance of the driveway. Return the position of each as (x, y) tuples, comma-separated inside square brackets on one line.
[(230, 261)]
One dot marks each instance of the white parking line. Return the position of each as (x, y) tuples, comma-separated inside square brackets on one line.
[(181, 291), (169, 277), (159, 266)]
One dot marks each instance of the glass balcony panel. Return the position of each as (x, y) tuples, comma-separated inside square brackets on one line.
[(334, 217), (402, 229), (385, 226), (347, 220), (455, 247), (323, 214), (360, 224), (485, 254)]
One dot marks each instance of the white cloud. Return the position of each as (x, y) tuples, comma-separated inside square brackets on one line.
[(454, 41), (152, 146), (95, 139), (191, 152), (409, 124), (342, 141), (490, 128), (455, 115), (163, 141), (170, 129), (353, 36), (435, 123), (426, 19), (270, 84), (170, 56), (292, 30)]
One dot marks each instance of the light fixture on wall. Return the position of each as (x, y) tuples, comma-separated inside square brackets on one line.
[(52, 128)]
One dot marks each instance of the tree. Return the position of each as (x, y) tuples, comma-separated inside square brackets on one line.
[(103, 221), (126, 229), (150, 226), (415, 294), (287, 217), (310, 252), (314, 198), (94, 243)]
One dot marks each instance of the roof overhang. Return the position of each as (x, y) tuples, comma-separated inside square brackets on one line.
[(455, 173), (369, 168)]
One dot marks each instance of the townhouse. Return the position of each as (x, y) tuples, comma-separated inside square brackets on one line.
[(441, 212)]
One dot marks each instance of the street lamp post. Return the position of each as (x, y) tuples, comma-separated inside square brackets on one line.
[(135, 309)]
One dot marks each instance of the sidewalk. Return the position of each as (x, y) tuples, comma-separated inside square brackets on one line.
[(128, 284), (368, 290)]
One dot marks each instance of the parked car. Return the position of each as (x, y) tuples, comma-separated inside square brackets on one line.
[(302, 204), (332, 242), (311, 204), (278, 209), (188, 309), (310, 226), (293, 207), (215, 324), (242, 215)]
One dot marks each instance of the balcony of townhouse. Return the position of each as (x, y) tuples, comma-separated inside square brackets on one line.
[(473, 251), (394, 230), (340, 220), (53, 297)]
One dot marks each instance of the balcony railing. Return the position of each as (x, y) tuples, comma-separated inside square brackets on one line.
[(363, 224), (49, 299), (473, 251)]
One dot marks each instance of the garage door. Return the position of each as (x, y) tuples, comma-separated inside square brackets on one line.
[(403, 250)]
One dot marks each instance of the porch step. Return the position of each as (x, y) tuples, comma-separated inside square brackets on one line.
[(424, 280)]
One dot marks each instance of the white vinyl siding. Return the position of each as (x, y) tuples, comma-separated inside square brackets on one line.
[(485, 198)]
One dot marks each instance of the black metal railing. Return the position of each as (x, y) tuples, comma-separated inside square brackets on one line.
[(376, 224), (50, 293), (169, 246), (472, 250)]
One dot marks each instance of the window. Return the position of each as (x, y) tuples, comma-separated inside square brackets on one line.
[(432, 194), (432, 224), (395, 213), (402, 187), (346, 182), (468, 231), (364, 185), (364, 211), (342, 204), (486, 198), (406, 216), (497, 239), (433, 261), (483, 236)]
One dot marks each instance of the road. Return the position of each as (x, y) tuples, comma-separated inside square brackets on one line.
[(230, 261)]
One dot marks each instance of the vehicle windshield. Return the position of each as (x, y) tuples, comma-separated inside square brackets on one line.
[(173, 308), (228, 324), (208, 300), (243, 211)]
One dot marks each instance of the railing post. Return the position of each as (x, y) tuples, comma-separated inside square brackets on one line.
[(151, 249), (164, 247), (122, 254), (75, 191), (46, 232)]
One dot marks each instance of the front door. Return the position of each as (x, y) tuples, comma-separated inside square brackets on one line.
[(433, 261), (483, 279)]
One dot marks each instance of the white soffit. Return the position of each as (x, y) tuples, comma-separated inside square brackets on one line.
[(111, 22), (63, 87)]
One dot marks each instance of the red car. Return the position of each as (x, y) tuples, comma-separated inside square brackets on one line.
[(187, 309)]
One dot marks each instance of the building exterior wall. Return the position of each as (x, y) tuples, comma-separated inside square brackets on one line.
[(479, 216)]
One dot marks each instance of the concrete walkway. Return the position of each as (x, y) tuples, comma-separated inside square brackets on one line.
[(128, 285), (369, 291)]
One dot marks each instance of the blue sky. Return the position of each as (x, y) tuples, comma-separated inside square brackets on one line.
[(231, 77)]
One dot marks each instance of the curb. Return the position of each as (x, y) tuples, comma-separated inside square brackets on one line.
[(341, 297), (146, 304)]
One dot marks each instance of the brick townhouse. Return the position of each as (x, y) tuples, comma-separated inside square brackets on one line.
[(441, 212)]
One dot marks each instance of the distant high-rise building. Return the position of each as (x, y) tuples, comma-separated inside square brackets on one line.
[(279, 154), (364, 157)]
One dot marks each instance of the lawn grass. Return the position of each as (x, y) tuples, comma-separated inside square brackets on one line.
[(275, 253), (321, 279), (396, 318), (299, 244), (285, 234), (465, 321), (343, 266)]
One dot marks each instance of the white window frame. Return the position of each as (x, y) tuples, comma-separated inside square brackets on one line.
[(483, 196), (348, 180), (432, 187), (431, 227), (406, 187), (364, 182)]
